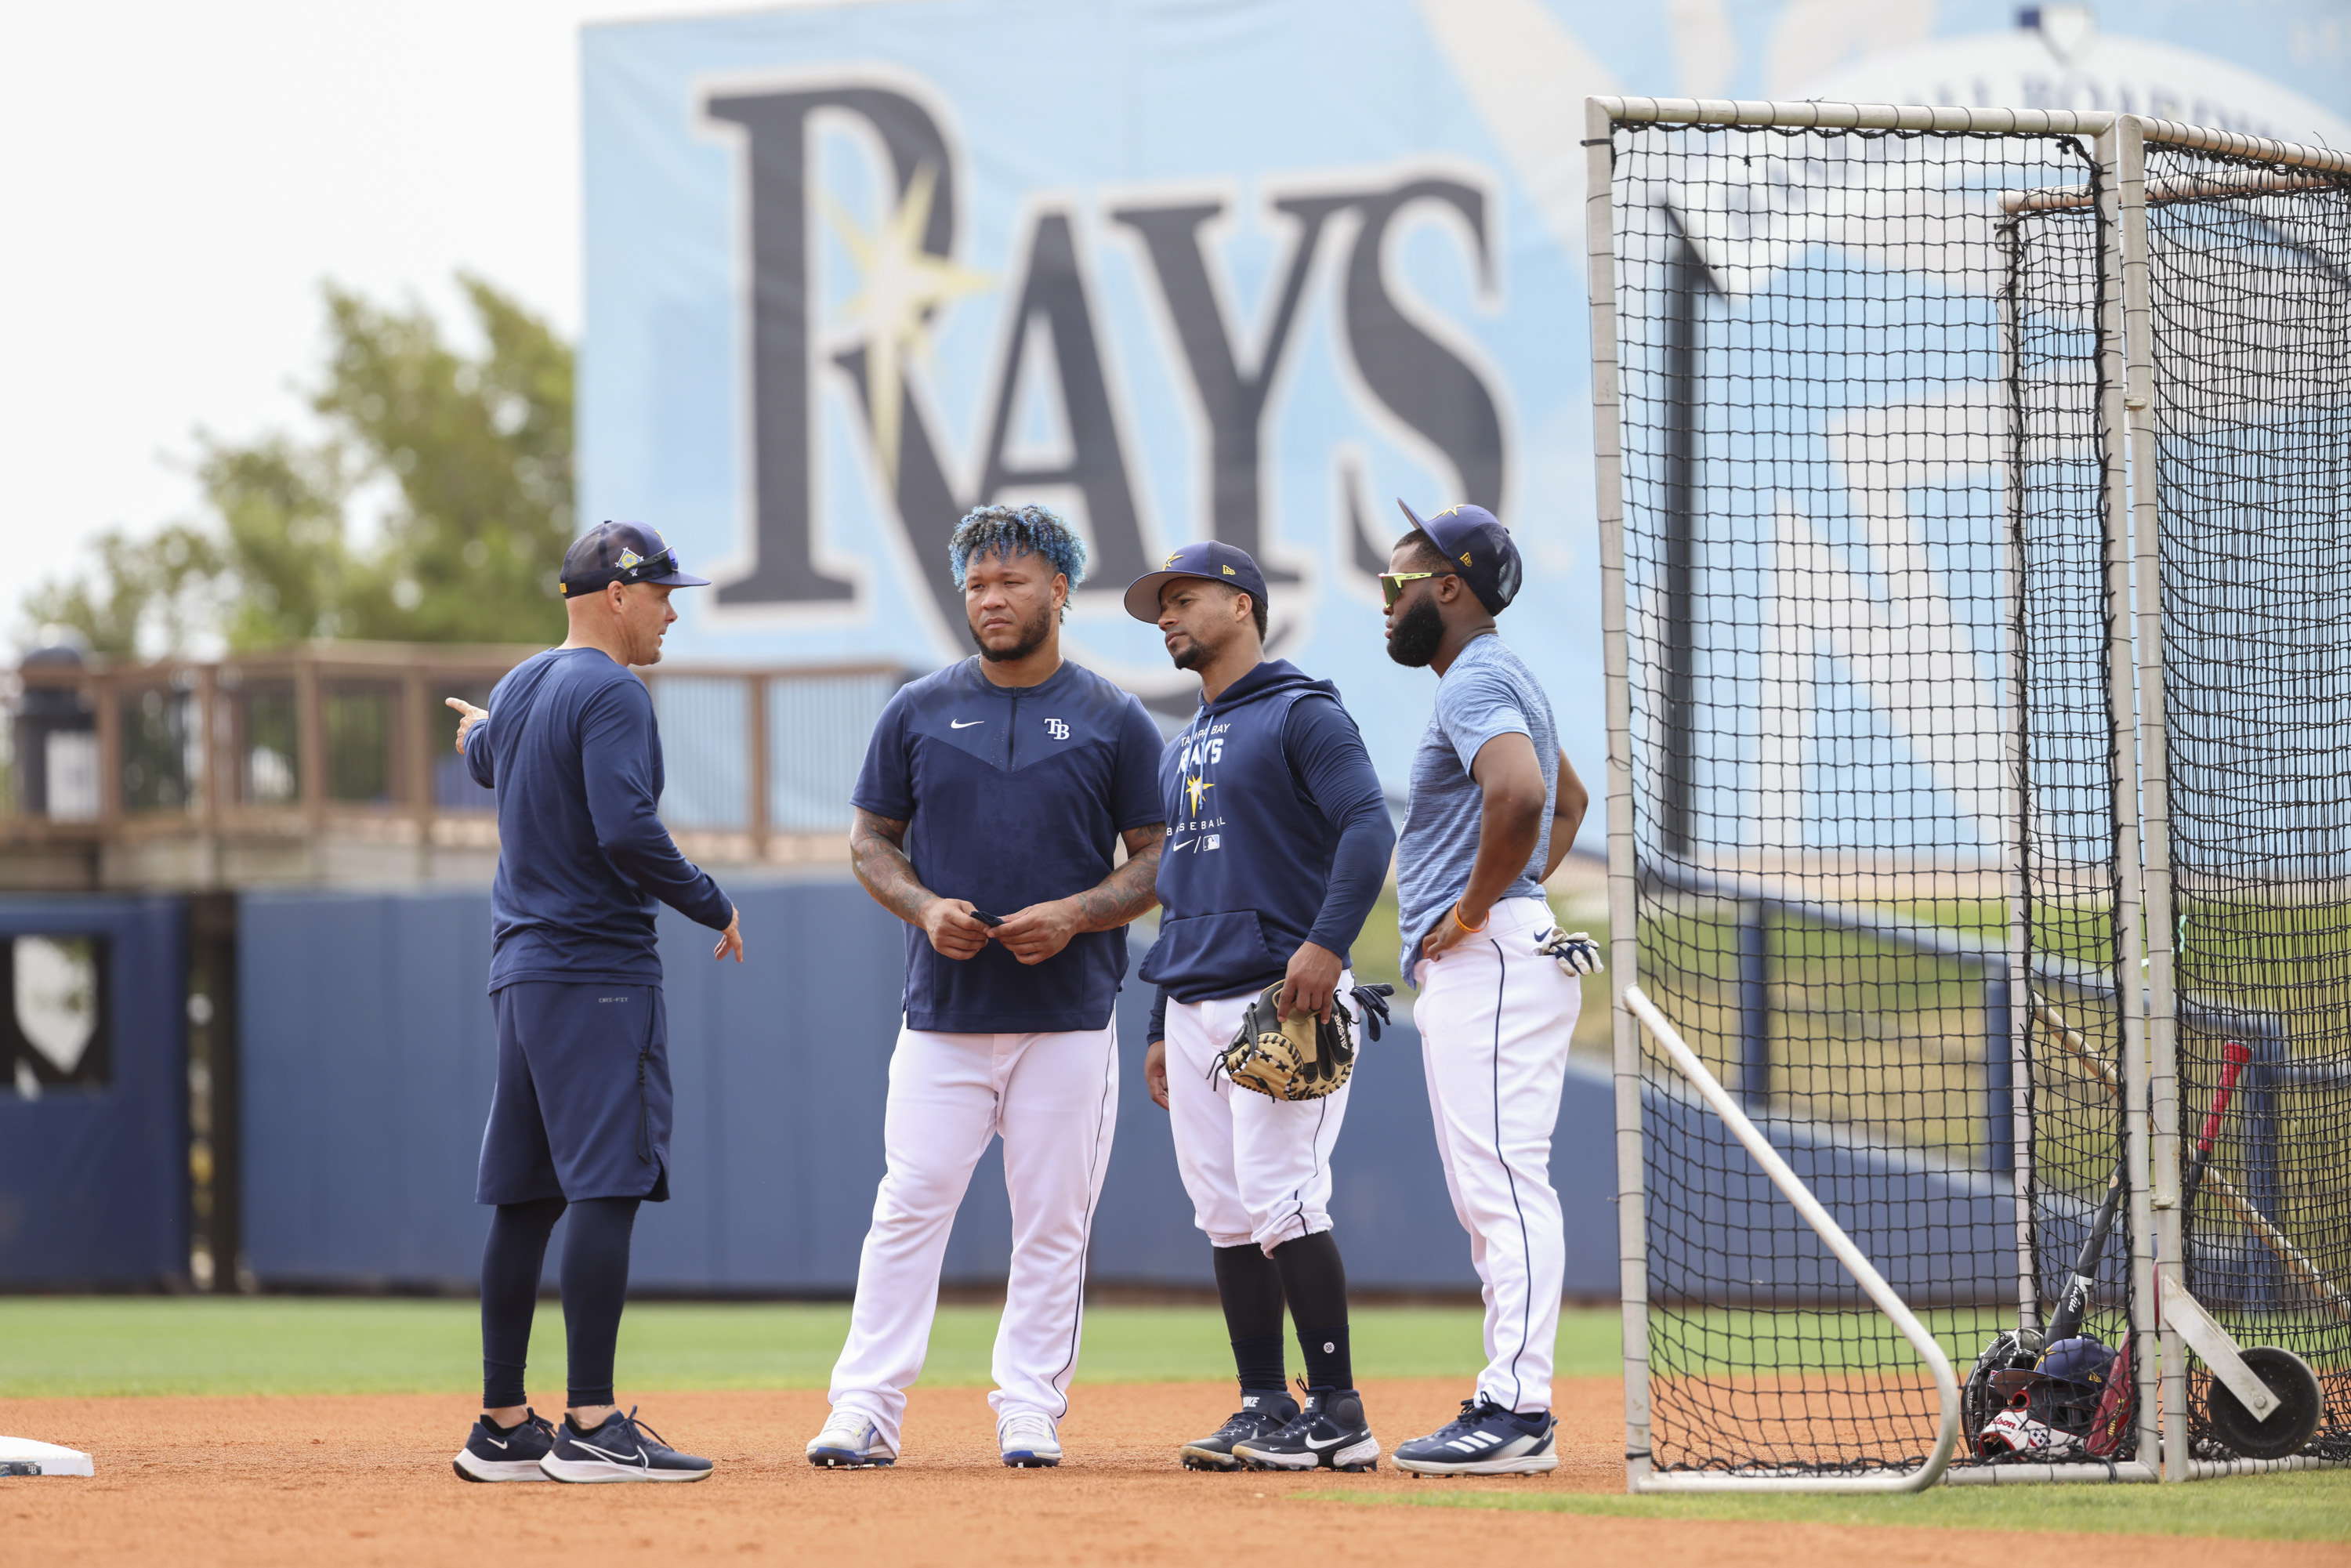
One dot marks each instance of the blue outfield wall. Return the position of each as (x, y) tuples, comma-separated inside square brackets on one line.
[(94, 1181), (367, 1064), (368, 1053)]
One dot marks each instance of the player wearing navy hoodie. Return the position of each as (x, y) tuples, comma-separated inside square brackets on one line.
[(1278, 844)]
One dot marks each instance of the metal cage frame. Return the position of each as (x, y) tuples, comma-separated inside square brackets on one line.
[(2132, 594)]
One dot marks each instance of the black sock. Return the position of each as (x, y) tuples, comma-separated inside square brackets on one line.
[(595, 1286), (1315, 1280), (1250, 1285), (511, 1260)]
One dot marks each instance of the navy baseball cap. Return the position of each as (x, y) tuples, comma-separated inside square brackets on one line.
[(1217, 562), (622, 552), (1475, 540)]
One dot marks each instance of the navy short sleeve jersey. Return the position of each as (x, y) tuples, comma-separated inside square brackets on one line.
[(1012, 796)]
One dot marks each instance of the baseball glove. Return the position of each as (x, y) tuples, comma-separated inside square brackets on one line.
[(1298, 1057)]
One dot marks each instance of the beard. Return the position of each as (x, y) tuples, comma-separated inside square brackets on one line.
[(1418, 632), (1194, 653), (1032, 637)]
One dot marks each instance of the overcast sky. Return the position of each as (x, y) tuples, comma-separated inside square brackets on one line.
[(178, 179)]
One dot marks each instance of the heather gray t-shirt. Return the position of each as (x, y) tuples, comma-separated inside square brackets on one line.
[(1489, 692)]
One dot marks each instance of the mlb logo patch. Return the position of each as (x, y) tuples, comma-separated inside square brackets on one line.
[(1214, 841)]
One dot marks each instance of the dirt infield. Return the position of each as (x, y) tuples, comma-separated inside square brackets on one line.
[(361, 1481)]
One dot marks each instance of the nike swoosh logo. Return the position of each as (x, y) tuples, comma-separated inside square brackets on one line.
[(1318, 1447), (1179, 843), (493, 1442), (955, 724), (638, 1458)]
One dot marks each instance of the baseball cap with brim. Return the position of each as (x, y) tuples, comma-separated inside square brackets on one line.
[(1217, 562), (622, 552), (1479, 548)]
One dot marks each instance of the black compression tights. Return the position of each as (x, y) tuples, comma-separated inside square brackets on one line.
[(595, 1285)]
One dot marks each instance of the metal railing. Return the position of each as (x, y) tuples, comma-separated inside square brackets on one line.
[(354, 738)]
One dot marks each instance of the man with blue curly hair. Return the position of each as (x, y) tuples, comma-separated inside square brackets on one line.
[(993, 799)]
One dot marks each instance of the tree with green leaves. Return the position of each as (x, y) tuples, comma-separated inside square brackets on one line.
[(474, 448)]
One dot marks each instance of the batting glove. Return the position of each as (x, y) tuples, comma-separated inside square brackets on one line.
[(1575, 951)]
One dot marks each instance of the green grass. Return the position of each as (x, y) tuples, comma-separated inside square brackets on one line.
[(116, 1346), (279, 1344), (2303, 1505)]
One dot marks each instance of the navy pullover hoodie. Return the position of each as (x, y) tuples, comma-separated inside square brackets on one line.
[(1277, 833)]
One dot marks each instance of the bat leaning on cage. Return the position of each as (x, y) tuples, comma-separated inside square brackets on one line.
[(2062, 1390)]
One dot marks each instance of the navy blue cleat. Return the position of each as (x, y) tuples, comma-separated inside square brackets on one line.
[(1263, 1413), (506, 1454), (622, 1449), (1485, 1440), (1327, 1433)]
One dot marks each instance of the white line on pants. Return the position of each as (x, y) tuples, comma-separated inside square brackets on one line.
[(1054, 1099), (1256, 1169), (1495, 1021)]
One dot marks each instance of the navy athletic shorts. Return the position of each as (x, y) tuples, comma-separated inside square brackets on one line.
[(582, 1105)]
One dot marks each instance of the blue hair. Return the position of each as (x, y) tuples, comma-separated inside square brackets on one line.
[(1008, 531)]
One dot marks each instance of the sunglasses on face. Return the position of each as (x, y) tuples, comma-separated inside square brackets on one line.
[(1391, 584)]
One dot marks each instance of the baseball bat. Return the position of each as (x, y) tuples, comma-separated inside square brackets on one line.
[(2234, 1057), (2254, 1220), (2073, 1301)]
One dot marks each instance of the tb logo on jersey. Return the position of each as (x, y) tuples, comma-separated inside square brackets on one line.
[(1057, 729)]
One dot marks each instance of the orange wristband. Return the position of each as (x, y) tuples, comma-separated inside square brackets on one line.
[(1465, 925)]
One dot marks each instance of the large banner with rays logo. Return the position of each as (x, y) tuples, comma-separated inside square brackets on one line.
[(1247, 271)]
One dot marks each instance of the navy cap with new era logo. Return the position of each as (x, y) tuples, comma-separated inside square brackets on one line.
[(1215, 561), (622, 552), (1479, 548)]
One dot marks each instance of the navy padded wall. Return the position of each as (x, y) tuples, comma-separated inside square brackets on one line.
[(93, 1183)]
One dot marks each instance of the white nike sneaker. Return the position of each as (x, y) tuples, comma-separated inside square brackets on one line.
[(849, 1441), (1028, 1440)]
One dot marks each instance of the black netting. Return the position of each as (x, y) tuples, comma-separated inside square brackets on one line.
[(1866, 567), (2251, 272)]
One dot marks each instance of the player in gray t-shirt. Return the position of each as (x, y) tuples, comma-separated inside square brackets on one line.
[(1493, 807)]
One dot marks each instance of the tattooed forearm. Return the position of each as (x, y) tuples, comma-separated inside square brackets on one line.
[(882, 866), (1128, 892)]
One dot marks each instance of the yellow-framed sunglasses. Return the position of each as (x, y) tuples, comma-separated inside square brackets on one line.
[(1391, 584)]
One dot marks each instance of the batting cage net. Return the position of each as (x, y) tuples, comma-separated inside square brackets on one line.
[(1875, 849), (2250, 287)]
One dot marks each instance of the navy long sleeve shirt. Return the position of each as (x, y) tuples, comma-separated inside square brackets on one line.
[(572, 749)]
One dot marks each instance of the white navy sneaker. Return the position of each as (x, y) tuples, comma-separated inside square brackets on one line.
[(849, 1441), (496, 1454), (1485, 1440), (1028, 1440), (1329, 1433), (622, 1449), (1261, 1414)]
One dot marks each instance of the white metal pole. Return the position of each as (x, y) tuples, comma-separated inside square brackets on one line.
[(2155, 764), (1856, 1263), (2130, 993), (1623, 936), (1815, 114)]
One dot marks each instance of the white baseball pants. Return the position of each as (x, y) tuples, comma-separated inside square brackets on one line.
[(1495, 1020), (1255, 1169), (1053, 1098)]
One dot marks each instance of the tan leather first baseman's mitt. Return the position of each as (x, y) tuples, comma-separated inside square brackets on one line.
[(1298, 1057)]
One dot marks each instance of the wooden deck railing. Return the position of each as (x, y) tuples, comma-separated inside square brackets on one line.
[(353, 739)]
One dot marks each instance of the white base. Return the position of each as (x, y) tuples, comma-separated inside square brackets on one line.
[(44, 1458)]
